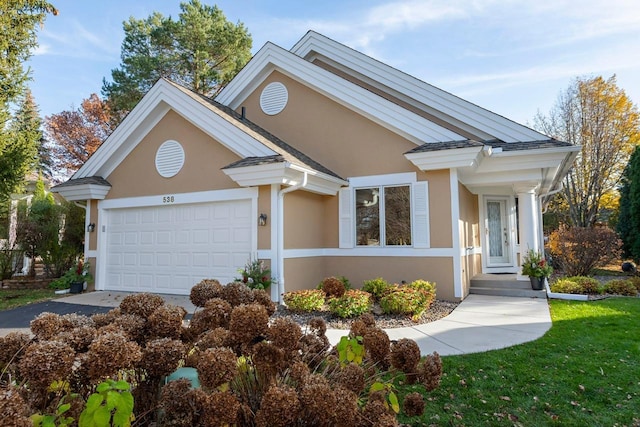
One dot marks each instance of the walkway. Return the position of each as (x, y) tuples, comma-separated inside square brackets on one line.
[(480, 323)]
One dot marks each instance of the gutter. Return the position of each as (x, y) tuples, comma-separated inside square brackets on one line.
[(280, 251)]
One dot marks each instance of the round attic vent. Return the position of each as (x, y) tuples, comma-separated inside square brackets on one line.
[(169, 158), (274, 98)]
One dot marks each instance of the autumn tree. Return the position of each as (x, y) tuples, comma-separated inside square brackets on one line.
[(73, 135), (597, 115), (200, 50)]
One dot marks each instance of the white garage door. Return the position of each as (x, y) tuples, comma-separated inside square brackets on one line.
[(170, 248)]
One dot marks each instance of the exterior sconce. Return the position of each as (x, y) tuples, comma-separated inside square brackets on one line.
[(262, 219), (91, 227)]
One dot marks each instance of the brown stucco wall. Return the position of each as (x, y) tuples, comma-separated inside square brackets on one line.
[(306, 273), (305, 220), (469, 217), (439, 208), (340, 139), (93, 217), (264, 206), (204, 157)]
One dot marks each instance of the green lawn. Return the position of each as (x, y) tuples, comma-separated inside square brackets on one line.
[(10, 298), (584, 372)]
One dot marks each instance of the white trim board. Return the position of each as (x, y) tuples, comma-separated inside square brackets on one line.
[(370, 252), (180, 198)]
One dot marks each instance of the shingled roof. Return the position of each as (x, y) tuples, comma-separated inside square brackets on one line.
[(494, 143), (95, 180)]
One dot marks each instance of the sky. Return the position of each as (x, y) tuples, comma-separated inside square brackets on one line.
[(513, 57)]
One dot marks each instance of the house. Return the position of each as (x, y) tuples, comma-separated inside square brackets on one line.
[(321, 161)]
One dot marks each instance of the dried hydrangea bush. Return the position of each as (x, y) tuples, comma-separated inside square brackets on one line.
[(253, 369)]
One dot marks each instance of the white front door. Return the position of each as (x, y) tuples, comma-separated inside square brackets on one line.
[(497, 233)]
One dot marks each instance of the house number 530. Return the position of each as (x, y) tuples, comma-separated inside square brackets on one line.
[(168, 199)]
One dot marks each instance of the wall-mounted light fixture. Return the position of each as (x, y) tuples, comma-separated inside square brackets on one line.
[(91, 227), (262, 219)]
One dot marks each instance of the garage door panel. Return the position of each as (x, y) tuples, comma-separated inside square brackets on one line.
[(171, 248)]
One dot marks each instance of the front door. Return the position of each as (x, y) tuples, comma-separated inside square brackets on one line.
[(497, 233)]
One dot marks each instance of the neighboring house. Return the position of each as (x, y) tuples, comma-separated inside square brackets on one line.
[(321, 161)]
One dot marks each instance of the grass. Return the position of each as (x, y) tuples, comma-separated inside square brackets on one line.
[(12, 298), (584, 372)]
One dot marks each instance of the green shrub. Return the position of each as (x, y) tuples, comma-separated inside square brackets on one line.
[(353, 303), (376, 287), (306, 300), (406, 300), (566, 286), (423, 285), (636, 281), (589, 285), (621, 287)]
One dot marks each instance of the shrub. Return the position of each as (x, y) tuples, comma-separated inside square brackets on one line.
[(406, 300), (577, 285), (307, 300), (636, 281), (353, 303), (578, 250), (255, 275), (425, 286), (376, 287), (333, 287), (621, 287)]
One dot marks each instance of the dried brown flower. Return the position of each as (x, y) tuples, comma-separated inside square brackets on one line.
[(318, 404), (299, 372), (430, 371), (46, 325), (347, 408), (413, 405), (220, 409), (216, 314), (237, 293), (14, 412), (142, 304), (376, 343), (79, 338), (12, 346), (204, 291), (73, 320), (104, 319), (279, 408), (109, 353), (181, 404), (45, 362), (166, 321), (248, 323), (313, 349), (267, 358), (351, 377), (358, 328), (260, 296), (318, 326), (368, 319), (285, 333), (405, 355), (216, 366), (162, 356), (333, 287), (217, 337), (133, 326)]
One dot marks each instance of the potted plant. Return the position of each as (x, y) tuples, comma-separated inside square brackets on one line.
[(74, 278), (255, 275), (537, 268)]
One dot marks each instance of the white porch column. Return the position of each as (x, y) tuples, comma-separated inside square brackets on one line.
[(529, 214)]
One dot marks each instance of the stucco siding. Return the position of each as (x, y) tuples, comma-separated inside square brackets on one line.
[(304, 219), (264, 207), (136, 175), (342, 140), (439, 208)]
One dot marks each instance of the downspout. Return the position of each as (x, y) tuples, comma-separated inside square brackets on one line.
[(280, 255)]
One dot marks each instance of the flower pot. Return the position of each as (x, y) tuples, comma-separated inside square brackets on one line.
[(76, 287), (537, 283)]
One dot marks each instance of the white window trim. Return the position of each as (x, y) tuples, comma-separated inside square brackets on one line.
[(382, 215), (347, 229)]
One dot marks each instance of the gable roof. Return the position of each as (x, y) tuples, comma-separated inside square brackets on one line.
[(236, 133), (449, 110), (382, 111)]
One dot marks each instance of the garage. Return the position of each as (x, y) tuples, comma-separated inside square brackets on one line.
[(170, 248)]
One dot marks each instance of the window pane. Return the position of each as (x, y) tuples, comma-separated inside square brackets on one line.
[(397, 212), (368, 217)]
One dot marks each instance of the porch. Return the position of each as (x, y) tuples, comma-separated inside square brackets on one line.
[(505, 285)]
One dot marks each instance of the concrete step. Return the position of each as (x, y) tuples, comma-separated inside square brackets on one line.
[(508, 284), (508, 292)]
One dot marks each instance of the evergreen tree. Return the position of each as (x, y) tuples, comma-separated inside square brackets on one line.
[(629, 217)]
